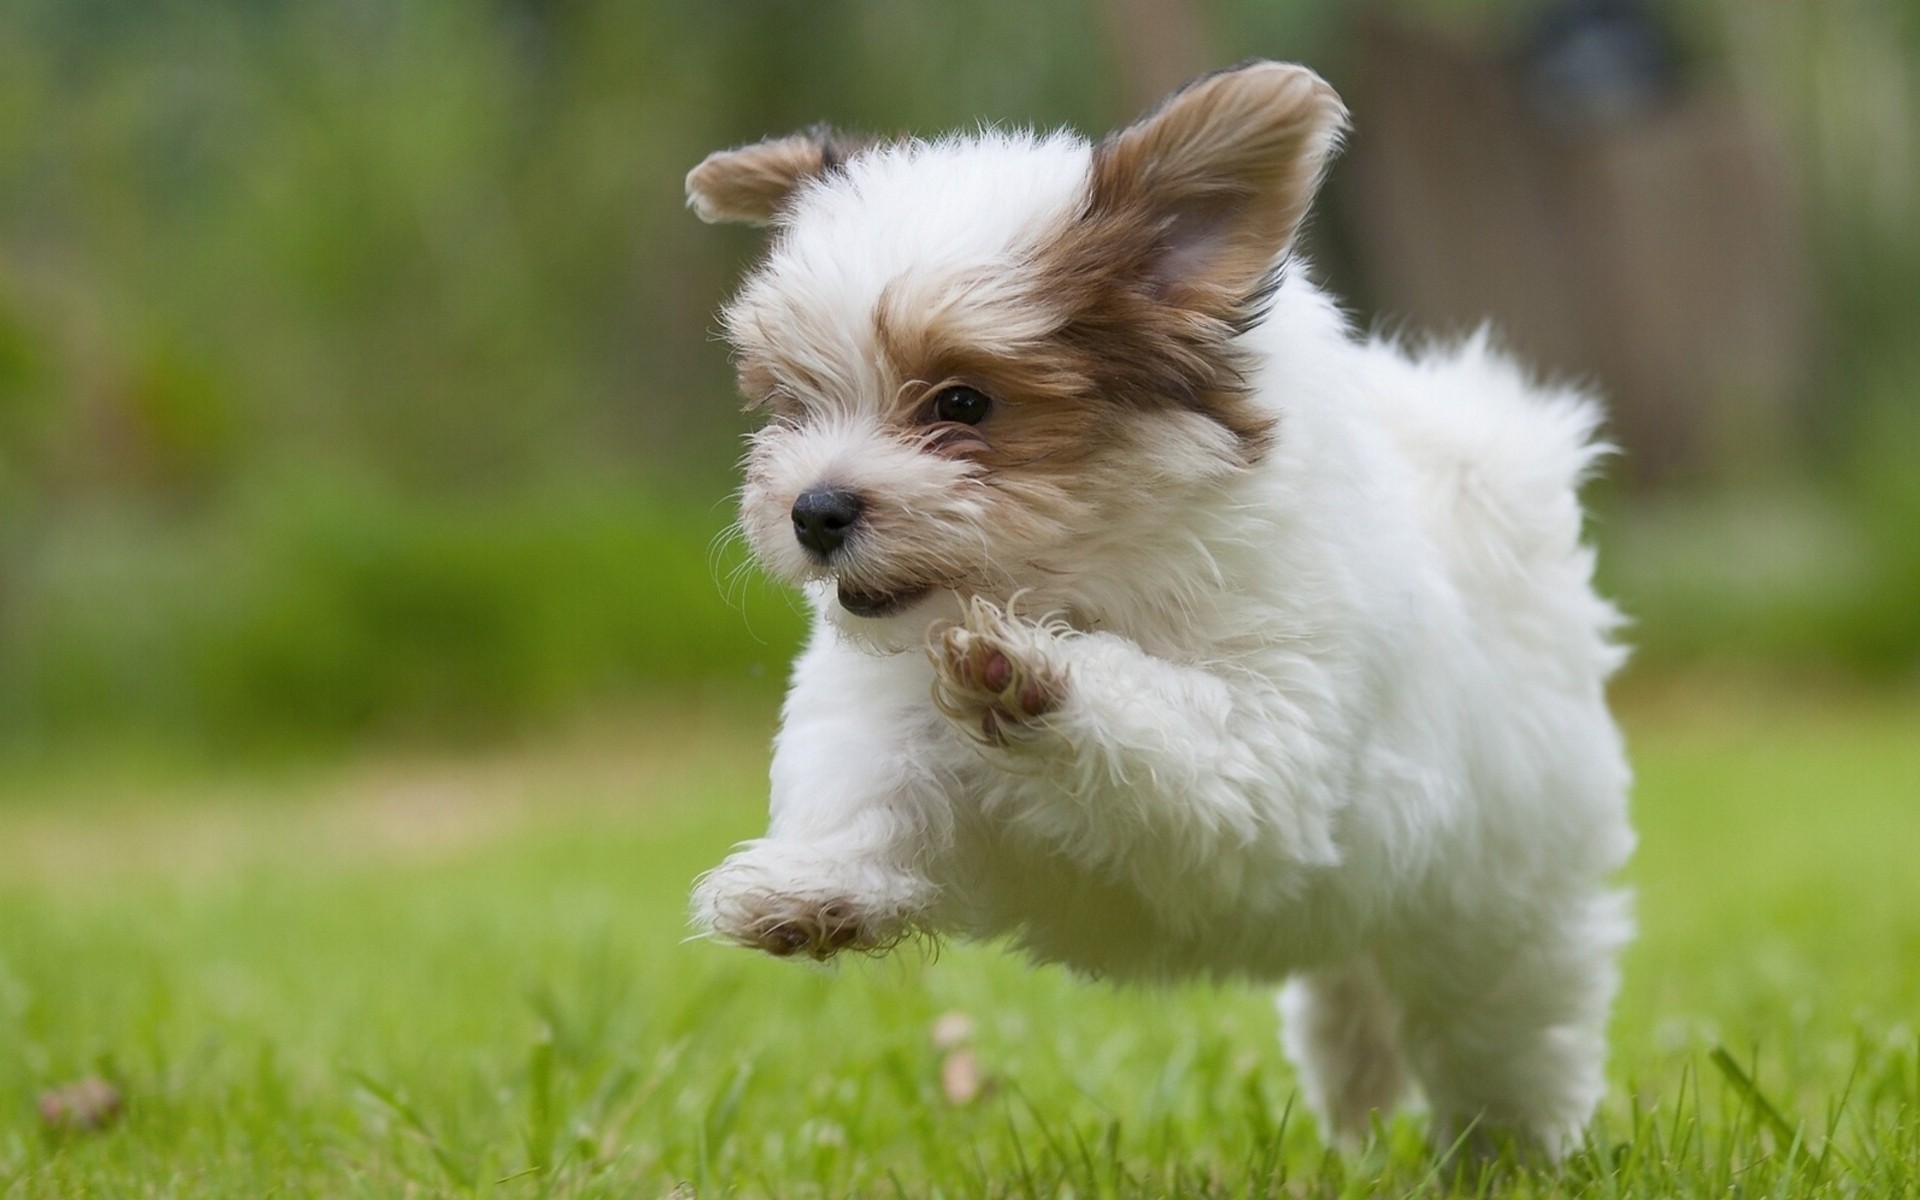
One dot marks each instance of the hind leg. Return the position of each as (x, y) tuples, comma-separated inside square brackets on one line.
[(1338, 1028), (1509, 1042)]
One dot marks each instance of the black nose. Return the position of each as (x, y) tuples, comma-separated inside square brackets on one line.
[(823, 517)]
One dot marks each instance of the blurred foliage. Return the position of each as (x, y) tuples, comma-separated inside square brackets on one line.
[(1817, 564), (356, 368), (322, 606)]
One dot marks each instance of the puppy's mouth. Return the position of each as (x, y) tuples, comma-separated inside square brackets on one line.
[(880, 604)]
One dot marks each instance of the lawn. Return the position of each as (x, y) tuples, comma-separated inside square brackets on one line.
[(440, 974)]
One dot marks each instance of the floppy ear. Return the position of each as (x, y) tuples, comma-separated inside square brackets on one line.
[(752, 183), (1223, 170)]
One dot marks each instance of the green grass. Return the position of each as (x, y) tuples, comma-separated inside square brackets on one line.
[(422, 976)]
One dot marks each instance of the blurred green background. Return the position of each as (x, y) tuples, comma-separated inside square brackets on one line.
[(358, 381)]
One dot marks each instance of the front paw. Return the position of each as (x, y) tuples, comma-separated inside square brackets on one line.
[(784, 926), (758, 902), (995, 676)]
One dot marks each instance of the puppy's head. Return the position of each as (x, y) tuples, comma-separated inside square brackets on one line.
[(988, 363)]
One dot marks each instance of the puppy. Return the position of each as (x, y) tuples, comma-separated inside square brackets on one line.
[(1162, 627)]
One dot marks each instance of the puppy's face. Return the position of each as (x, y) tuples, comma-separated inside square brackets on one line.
[(987, 363)]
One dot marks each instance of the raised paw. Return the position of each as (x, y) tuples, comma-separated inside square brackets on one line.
[(994, 675), (786, 926)]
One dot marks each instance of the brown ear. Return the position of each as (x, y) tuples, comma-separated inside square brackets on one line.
[(1224, 170), (752, 183)]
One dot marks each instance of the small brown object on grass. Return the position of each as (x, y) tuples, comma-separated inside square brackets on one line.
[(962, 1079), (83, 1106)]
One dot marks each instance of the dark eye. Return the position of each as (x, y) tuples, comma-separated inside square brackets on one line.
[(961, 405)]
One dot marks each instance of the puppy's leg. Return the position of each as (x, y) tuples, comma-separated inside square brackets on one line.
[(1339, 1029), (1509, 1041), (1186, 781), (856, 816)]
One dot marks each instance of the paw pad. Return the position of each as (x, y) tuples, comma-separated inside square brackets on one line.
[(992, 676)]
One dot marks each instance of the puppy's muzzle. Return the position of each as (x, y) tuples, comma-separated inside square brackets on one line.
[(824, 517)]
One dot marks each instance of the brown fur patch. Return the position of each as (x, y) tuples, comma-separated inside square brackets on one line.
[(1049, 406), (1107, 347), (752, 184), (1135, 348), (1187, 212), (1222, 172)]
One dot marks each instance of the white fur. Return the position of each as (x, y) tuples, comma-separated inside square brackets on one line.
[(1338, 718)]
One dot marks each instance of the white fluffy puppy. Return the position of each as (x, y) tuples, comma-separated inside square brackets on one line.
[(1162, 626)]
